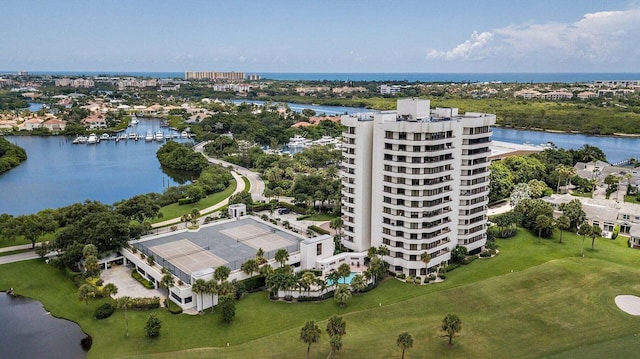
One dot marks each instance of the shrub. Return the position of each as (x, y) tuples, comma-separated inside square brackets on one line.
[(301, 218), (134, 250), (152, 328), (104, 311), (409, 280), (151, 260), (443, 275), (451, 267), (319, 230), (86, 342), (172, 307), (616, 231), (485, 254), (400, 276), (297, 209), (469, 259), (146, 283), (99, 282), (417, 280)]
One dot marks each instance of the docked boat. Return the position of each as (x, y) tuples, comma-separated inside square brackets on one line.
[(326, 140), (104, 137), (184, 134), (159, 136), (133, 136), (134, 120), (92, 139), (298, 142), (80, 139), (149, 136)]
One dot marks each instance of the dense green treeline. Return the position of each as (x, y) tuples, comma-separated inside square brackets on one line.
[(10, 155), (585, 117)]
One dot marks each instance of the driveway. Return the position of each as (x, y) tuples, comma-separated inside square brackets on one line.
[(127, 286)]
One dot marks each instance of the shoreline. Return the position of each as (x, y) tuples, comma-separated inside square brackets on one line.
[(614, 135)]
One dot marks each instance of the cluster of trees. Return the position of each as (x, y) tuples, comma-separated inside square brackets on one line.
[(552, 168), (12, 101), (10, 155), (181, 157)]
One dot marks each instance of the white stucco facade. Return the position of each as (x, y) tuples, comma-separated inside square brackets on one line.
[(428, 184)]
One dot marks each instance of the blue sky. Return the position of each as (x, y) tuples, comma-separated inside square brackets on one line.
[(321, 36)]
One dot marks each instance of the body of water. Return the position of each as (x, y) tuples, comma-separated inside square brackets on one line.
[(28, 331), (58, 173), (539, 77)]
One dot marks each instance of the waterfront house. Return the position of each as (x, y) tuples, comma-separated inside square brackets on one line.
[(55, 125), (95, 122)]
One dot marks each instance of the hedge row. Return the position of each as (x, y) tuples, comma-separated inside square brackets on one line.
[(145, 282), (140, 303), (253, 284), (172, 307), (297, 209), (319, 230)]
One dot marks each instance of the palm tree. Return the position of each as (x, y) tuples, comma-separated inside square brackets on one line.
[(563, 223), (336, 344), (282, 256), (86, 292), (344, 271), (342, 295), (584, 230), (358, 283), (260, 256), (167, 282), (195, 213), (451, 324), (404, 341), (310, 334), (336, 224), (199, 287), (125, 302), (542, 222), (212, 288), (425, 258), (185, 218), (307, 280), (333, 276), (250, 266), (221, 273), (596, 231), (336, 326), (110, 289)]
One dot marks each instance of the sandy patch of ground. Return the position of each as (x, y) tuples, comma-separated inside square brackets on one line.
[(629, 304)]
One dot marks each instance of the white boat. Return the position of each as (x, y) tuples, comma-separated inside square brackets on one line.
[(325, 141), (298, 142), (149, 136), (184, 134), (104, 137), (80, 139), (159, 136), (133, 136), (92, 139), (134, 120)]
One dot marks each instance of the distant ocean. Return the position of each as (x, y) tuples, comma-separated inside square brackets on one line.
[(377, 76)]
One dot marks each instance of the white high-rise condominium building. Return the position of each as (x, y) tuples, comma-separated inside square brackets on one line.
[(416, 180)]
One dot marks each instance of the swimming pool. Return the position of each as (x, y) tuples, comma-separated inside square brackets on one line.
[(343, 280)]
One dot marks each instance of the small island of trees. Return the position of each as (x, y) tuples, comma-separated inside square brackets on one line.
[(10, 155)]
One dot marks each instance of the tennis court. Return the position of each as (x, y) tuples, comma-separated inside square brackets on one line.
[(258, 237), (187, 256)]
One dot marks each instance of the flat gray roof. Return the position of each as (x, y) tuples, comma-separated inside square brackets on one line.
[(228, 243)]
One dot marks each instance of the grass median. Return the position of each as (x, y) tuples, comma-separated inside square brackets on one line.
[(532, 300)]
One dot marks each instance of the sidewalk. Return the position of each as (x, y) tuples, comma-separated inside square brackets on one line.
[(16, 248)]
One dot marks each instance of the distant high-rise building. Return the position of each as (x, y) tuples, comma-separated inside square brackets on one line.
[(416, 180), (214, 75)]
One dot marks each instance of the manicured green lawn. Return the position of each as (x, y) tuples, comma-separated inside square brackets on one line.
[(532, 300), (321, 217), (176, 211), (247, 184)]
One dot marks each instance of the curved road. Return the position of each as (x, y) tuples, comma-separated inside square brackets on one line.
[(257, 184), (256, 188)]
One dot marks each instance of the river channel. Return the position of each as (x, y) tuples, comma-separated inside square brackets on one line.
[(28, 331)]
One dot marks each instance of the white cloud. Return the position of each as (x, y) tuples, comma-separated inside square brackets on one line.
[(606, 37), (242, 58), (472, 48)]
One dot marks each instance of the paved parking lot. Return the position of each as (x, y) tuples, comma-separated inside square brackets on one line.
[(127, 286)]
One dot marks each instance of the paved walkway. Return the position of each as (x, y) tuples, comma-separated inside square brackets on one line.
[(16, 248), (501, 208)]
